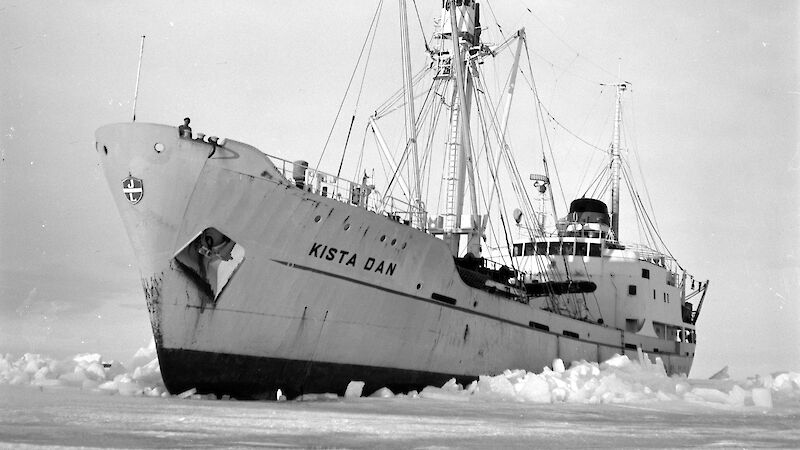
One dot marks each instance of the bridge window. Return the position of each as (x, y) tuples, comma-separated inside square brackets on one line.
[(567, 248), (555, 248), (595, 250), (517, 249), (528, 248), (631, 289), (541, 248), (646, 273), (580, 248)]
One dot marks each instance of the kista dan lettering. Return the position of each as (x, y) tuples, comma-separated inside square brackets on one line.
[(348, 258)]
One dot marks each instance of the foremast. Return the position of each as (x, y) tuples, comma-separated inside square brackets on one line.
[(460, 23)]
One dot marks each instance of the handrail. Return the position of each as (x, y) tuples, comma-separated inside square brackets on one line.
[(346, 191)]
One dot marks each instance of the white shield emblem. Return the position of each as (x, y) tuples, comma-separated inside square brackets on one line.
[(132, 189)]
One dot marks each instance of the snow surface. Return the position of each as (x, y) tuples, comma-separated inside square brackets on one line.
[(617, 403)]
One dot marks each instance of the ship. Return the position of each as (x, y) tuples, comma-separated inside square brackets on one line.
[(264, 275)]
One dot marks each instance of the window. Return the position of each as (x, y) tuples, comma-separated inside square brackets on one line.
[(631, 289), (646, 273), (567, 248), (571, 334), (555, 248), (517, 249), (528, 248), (595, 249), (539, 326), (541, 248), (654, 294), (580, 248)]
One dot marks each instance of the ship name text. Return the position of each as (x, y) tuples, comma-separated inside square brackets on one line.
[(348, 258)]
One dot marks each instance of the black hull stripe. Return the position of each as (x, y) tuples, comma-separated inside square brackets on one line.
[(260, 377)]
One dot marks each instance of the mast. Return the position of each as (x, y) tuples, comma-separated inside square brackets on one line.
[(411, 127), (462, 21), (615, 162)]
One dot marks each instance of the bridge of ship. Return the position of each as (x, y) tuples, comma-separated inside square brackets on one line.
[(596, 244)]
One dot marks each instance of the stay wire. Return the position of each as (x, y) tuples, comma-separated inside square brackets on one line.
[(566, 44), (349, 83), (516, 181), (421, 28), (407, 146), (358, 97), (542, 128)]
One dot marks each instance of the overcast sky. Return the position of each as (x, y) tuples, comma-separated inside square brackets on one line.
[(715, 114)]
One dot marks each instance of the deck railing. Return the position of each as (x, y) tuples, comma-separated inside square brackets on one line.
[(341, 189)]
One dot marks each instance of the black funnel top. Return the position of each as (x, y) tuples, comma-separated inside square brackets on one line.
[(582, 205), (589, 210)]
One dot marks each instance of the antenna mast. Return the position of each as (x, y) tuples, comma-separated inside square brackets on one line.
[(138, 72), (615, 161)]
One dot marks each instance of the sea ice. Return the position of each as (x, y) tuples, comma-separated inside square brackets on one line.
[(354, 389), (617, 380)]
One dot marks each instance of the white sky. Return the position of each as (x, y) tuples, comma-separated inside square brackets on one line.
[(715, 114)]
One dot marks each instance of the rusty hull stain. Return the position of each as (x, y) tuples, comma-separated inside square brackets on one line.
[(152, 295)]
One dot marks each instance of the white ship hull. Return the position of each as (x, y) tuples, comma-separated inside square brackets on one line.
[(326, 293)]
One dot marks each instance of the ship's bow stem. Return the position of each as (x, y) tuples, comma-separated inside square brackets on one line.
[(151, 172)]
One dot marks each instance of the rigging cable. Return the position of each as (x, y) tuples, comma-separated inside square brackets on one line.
[(391, 103), (493, 174), (407, 146), (554, 120), (577, 53), (421, 28), (542, 128), (589, 163), (553, 66), (639, 165), (349, 83), (594, 295), (438, 101), (358, 97), (516, 181)]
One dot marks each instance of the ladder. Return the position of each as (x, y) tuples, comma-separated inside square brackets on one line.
[(451, 174)]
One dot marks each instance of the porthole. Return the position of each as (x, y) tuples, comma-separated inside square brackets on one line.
[(316, 219), (346, 226), (419, 285), (404, 245), (394, 241), (159, 147), (383, 238)]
